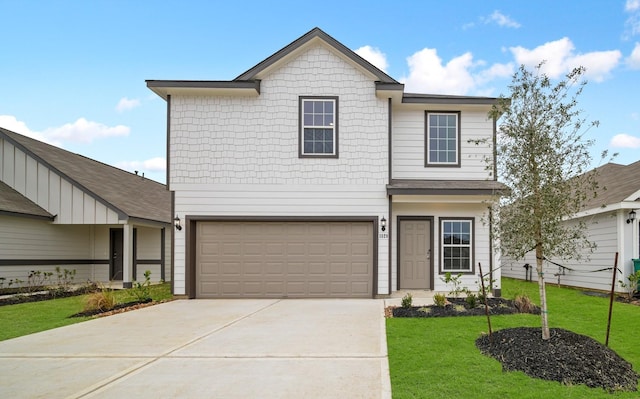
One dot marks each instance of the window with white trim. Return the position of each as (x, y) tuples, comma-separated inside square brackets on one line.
[(319, 127), (456, 238), (442, 139)]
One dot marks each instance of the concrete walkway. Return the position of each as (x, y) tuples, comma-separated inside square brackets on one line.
[(325, 348)]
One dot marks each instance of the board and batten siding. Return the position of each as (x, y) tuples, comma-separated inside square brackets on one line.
[(443, 210), (409, 145), (603, 229), (45, 187), (239, 156)]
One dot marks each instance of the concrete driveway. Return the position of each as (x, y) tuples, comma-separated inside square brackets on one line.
[(312, 348)]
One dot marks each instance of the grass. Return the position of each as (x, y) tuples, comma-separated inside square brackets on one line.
[(437, 357), (29, 318)]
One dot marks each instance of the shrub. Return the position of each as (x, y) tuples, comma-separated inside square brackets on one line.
[(407, 300), (523, 303), (632, 287), (456, 282), (471, 300), (141, 291), (439, 299), (104, 299)]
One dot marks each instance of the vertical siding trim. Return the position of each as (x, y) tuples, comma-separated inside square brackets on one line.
[(390, 143), (162, 254), (135, 254), (168, 141), (173, 243), (495, 149), (390, 227)]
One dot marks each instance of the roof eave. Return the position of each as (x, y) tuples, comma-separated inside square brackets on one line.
[(235, 88), (409, 98), (49, 217)]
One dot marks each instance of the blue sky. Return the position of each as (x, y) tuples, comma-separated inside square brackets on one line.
[(72, 73)]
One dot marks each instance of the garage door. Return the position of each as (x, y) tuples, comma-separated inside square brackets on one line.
[(284, 259)]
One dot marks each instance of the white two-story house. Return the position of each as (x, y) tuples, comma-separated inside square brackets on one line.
[(313, 174)]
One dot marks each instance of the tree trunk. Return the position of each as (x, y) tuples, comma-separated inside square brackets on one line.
[(543, 293)]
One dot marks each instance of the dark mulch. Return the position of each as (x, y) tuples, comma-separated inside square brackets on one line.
[(119, 308), (46, 295), (566, 357), (459, 307)]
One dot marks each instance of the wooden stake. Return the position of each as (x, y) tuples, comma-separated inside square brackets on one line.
[(613, 289), (486, 300)]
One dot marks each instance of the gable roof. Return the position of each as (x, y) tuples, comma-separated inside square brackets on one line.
[(15, 204), (248, 83), (312, 36), (130, 195), (617, 183)]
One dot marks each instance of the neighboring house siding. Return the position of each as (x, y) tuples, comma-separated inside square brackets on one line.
[(148, 249), (439, 210), (51, 192), (409, 145), (602, 229), (239, 156)]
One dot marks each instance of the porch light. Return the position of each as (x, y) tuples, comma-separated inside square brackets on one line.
[(176, 223), (383, 224), (632, 216)]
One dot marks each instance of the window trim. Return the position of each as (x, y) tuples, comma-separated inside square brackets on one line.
[(301, 153), (472, 252), (427, 162)]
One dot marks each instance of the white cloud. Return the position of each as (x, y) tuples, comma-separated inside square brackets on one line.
[(82, 130), (560, 59), (85, 131), (427, 73), (625, 141), (157, 164), (500, 19), (632, 5), (126, 104), (374, 56), (634, 58), (632, 24)]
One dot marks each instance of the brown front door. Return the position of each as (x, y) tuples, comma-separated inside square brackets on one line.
[(115, 262), (415, 254)]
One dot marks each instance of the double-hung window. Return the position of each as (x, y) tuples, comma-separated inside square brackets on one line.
[(456, 238), (319, 127), (442, 139)]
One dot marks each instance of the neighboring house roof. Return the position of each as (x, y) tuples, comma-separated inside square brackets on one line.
[(445, 187), (617, 183), (128, 194), (15, 204)]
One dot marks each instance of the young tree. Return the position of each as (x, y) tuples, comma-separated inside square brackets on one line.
[(543, 157)]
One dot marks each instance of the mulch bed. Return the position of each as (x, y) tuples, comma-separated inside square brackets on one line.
[(120, 308), (459, 307), (566, 357), (45, 295)]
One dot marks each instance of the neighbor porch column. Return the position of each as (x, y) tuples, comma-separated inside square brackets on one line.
[(127, 256)]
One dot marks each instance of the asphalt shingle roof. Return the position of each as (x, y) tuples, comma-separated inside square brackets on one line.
[(13, 202), (126, 193), (617, 182)]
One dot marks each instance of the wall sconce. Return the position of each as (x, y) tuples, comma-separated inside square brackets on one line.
[(176, 223), (383, 224), (632, 216)]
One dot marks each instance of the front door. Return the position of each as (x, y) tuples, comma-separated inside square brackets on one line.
[(115, 262), (415, 254)]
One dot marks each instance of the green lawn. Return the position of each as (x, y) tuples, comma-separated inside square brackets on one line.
[(28, 318), (437, 357)]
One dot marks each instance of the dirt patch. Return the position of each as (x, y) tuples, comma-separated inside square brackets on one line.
[(459, 307), (119, 308), (46, 295), (566, 357)]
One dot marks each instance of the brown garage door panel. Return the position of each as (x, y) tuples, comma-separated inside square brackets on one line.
[(284, 259)]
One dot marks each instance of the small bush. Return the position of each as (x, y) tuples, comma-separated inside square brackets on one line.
[(104, 299), (407, 300), (141, 291), (471, 300), (523, 304), (439, 300)]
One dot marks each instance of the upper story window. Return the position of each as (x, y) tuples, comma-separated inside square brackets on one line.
[(456, 238), (319, 127), (442, 139)]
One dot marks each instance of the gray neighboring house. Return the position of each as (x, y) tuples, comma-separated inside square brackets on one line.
[(612, 225), (60, 209)]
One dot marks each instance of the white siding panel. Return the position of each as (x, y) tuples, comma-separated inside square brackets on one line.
[(43, 186), (54, 194), (31, 191), (8, 159), (89, 209), (409, 146), (20, 177), (77, 204), (603, 230)]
